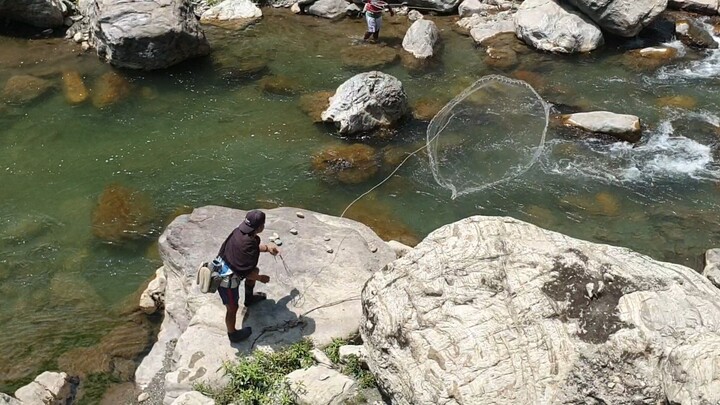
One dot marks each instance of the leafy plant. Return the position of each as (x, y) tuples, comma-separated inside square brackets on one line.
[(353, 366), (333, 349), (260, 378)]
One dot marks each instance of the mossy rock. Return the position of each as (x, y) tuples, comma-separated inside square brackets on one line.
[(426, 108), (349, 164), (685, 102), (23, 89), (314, 104), (368, 56), (501, 58), (74, 88), (109, 89), (380, 218), (279, 85), (648, 59), (122, 214)]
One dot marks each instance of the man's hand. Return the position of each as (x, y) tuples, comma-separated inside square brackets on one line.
[(272, 249), (263, 279)]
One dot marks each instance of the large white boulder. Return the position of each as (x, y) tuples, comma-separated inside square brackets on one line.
[(712, 266), (233, 10), (550, 26), (623, 126), (146, 34), (316, 295), (492, 310), (319, 385), (49, 388), (698, 6), (367, 101), (470, 7), (622, 17), (38, 13), (482, 27), (332, 9), (421, 38)]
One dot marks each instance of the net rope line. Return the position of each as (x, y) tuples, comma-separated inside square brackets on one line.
[(300, 298)]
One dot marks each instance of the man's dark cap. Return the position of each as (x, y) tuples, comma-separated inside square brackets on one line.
[(253, 220)]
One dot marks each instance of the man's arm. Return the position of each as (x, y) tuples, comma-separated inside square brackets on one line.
[(270, 248)]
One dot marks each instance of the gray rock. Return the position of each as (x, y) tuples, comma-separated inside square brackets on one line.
[(344, 352), (233, 10), (146, 34), (321, 357), (624, 126), (332, 9), (493, 310), (470, 7), (38, 13), (712, 266), (692, 33), (6, 399), (317, 296), (443, 6), (49, 388), (400, 249), (22, 89), (622, 17), (319, 385), (153, 298), (421, 39), (414, 15), (549, 26), (367, 101), (709, 7), (482, 27), (193, 398)]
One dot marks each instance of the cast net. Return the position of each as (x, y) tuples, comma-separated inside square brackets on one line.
[(490, 133)]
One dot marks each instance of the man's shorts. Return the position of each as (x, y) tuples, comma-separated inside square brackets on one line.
[(373, 23), (229, 295)]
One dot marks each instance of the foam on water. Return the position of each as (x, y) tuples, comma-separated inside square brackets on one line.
[(701, 69), (663, 156)]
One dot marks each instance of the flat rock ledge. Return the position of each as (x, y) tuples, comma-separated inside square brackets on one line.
[(623, 126), (315, 294), (492, 310)]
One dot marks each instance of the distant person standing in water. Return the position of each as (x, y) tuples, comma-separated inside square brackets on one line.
[(373, 15)]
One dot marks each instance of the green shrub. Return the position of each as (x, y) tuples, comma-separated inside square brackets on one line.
[(260, 378), (352, 368), (333, 349)]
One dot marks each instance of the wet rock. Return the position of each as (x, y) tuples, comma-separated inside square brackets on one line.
[(23, 89), (279, 85), (426, 108), (649, 58), (549, 26), (471, 7), (332, 9), (712, 266), (625, 18), (196, 320), (434, 331), (152, 298), (122, 214), (415, 65), (319, 385), (147, 34), (501, 58), (109, 89), (709, 7), (693, 34), (623, 126), (483, 28), (232, 10), (235, 69), (685, 102), (315, 103), (383, 221), (421, 39), (38, 13), (368, 56), (74, 88), (534, 79), (414, 15), (367, 101), (47, 388), (349, 164), (443, 6)]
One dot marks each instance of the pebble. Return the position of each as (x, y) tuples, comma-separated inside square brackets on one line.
[(272, 239), (275, 235), (300, 214), (293, 231), (373, 249), (278, 242), (85, 46), (326, 238), (329, 249), (143, 397), (589, 288)]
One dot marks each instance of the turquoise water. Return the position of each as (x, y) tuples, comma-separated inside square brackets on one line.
[(206, 133)]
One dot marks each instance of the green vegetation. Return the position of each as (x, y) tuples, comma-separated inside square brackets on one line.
[(353, 366), (93, 387), (260, 378)]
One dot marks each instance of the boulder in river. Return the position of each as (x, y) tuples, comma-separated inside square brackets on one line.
[(623, 126), (38, 13), (232, 10), (332, 9), (349, 164), (712, 266), (367, 101), (22, 89), (421, 39), (693, 34), (625, 18), (482, 27), (443, 6), (122, 214), (495, 310), (368, 56), (47, 388), (709, 7), (550, 26), (74, 87)]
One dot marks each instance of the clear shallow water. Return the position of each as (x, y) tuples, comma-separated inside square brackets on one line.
[(203, 133)]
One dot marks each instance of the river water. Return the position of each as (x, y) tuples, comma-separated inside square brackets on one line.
[(210, 132)]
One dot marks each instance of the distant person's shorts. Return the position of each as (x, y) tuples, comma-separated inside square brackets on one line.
[(373, 23), (229, 295)]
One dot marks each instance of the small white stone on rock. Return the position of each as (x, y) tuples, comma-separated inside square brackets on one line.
[(373, 249), (275, 235), (321, 357), (143, 397), (329, 249), (589, 288), (278, 242), (85, 46), (326, 238), (78, 37), (414, 15), (294, 231), (300, 214)]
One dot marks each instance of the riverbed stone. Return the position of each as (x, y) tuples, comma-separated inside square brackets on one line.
[(495, 310), (49, 388), (693, 34), (367, 101), (319, 385), (318, 298), (279, 85), (625, 18), (332, 9), (709, 7), (22, 89), (315, 103), (650, 58), (38, 13), (550, 26), (348, 164), (623, 126), (421, 39), (146, 34), (74, 88), (481, 28), (109, 89), (232, 10), (426, 108), (443, 6), (712, 266), (121, 214), (368, 56), (193, 398), (470, 7)]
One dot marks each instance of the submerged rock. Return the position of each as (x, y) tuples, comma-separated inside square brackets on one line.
[(110, 88), (315, 103), (693, 34), (367, 101), (625, 18), (147, 34), (38, 13), (685, 102), (697, 6), (122, 214), (349, 164), (451, 317), (623, 126), (317, 299), (278, 84), (421, 39), (368, 56), (712, 266), (649, 58), (74, 88), (426, 108), (23, 89), (549, 26)]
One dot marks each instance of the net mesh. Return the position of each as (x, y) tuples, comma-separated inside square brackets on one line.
[(490, 133)]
